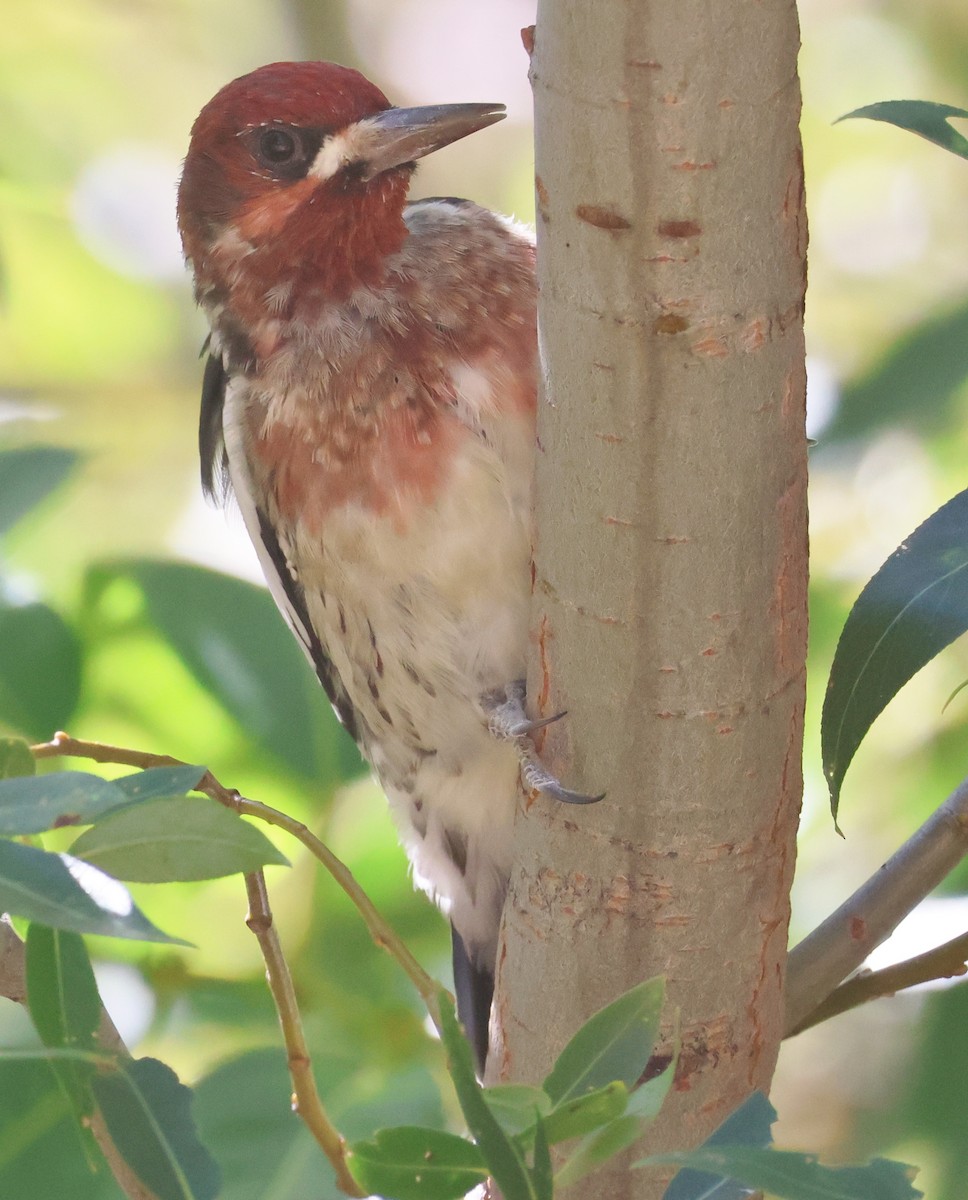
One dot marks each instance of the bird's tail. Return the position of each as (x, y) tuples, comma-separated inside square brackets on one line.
[(474, 986)]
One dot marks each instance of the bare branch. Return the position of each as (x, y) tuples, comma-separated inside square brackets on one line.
[(943, 962), (840, 944), (306, 1096)]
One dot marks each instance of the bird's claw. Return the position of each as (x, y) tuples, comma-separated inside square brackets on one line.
[(508, 721)]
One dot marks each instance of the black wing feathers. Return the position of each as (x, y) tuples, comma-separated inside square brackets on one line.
[(325, 671), (211, 446)]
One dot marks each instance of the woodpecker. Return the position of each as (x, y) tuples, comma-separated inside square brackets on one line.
[(369, 397)]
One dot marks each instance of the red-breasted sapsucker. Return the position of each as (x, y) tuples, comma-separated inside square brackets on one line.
[(370, 396)]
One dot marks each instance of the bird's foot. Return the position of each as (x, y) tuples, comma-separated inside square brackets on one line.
[(508, 721)]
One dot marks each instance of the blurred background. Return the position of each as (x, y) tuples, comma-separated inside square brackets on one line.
[(123, 632)]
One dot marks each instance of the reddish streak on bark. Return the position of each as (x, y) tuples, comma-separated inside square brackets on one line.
[(602, 218), (679, 229)]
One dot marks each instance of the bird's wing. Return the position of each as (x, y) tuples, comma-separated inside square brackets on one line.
[(222, 453), (211, 444)]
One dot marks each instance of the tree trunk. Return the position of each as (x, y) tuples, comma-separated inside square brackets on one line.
[(669, 611)]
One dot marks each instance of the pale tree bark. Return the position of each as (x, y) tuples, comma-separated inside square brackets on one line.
[(670, 587)]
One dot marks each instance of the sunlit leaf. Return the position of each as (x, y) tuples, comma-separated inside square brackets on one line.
[(615, 1044), (914, 606), (27, 476), (409, 1163), (33, 804), (176, 838), (923, 117), (66, 893), (40, 669), (148, 1115)]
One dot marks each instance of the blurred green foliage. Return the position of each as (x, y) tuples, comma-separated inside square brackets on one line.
[(99, 347)]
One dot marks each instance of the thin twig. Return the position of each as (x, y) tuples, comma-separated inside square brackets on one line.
[(306, 1100), (840, 944), (380, 931), (943, 962), (62, 745)]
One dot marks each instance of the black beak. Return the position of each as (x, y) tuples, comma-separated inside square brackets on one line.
[(402, 135)]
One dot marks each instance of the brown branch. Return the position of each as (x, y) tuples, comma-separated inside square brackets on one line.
[(840, 944), (306, 1096), (381, 933), (943, 962)]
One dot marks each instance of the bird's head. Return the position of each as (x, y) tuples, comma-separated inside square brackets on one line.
[(296, 179)]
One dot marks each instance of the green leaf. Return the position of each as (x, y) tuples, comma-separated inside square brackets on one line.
[(262, 1149), (16, 761), (62, 994), (147, 1113), (176, 838), (901, 388), (619, 1133), (749, 1125), (923, 117), (161, 781), (582, 1114), (502, 1156), (516, 1105), (646, 1101), (541, 1173), (64, 1004), (27, 476), (914, 606), (598, 1147), (792, 1176), (232, 639), (409, 1163), (615, 1044), (40, 669), (61, 891), (42, 1149), (34, 804)]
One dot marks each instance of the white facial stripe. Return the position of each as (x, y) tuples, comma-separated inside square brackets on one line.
[(347, 146)]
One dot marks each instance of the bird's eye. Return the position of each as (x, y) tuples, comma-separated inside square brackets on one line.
[(277, 146), (285, 151)]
